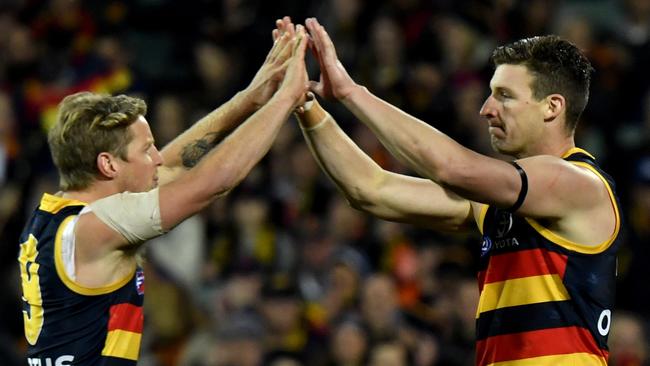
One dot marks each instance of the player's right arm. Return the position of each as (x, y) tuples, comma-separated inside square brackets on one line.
[(228, 163), (106, 238), (372, 189), (185, 151), (142, 216)]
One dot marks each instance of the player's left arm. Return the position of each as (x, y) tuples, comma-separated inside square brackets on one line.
[(555, 187), (575, 201)]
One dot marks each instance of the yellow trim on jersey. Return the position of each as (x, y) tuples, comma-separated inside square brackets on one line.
[(521, 291), (577, 150), (123, 344), (481, 217), (53, 204), (572, 359), (577, 247), (71, 284)]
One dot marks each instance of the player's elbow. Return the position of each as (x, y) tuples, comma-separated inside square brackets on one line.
[(227, 177), (363, 198), (448, 173), (209, 187), (354, 197), (456, 175), (357, 202)]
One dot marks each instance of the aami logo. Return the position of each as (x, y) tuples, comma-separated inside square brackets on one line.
[(139, 281)]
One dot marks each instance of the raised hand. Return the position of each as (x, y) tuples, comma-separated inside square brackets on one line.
[(268, 78), (283, 26), (335, 82), (296, 80)]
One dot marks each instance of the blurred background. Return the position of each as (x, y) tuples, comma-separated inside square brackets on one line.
[(282, 271)]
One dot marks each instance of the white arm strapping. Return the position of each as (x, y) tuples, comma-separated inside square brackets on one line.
[(134, 215)]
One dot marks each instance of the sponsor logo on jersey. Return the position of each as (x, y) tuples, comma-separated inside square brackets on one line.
[(486, 245), (139, 281)]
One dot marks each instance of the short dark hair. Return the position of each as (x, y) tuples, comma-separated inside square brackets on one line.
[(557, 65)]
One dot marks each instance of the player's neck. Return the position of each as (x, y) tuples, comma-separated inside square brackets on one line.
[(94, 192), (554, 146)]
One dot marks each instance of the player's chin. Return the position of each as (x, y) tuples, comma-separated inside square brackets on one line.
[(500, 146), (497, 144)]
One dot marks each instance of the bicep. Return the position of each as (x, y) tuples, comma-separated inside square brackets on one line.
[(120, 219), (557, 188), (418, 201), (554, 186)]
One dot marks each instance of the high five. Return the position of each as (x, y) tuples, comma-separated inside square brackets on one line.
[(549, 219)]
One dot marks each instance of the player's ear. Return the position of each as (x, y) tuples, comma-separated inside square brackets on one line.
[(107, 165), (554, 106)]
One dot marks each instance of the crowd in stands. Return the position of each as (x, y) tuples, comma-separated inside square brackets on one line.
[(282, 271)]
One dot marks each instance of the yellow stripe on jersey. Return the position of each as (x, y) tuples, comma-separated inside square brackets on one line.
[(574, 150), (53, 204), (573, 359), (69, 282), (577, 247), (122, 344), (521, 291), (481, 217)]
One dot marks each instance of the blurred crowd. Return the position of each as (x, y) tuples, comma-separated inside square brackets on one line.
[(282, 271)]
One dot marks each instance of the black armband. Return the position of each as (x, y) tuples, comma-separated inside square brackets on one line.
[(524, 188)]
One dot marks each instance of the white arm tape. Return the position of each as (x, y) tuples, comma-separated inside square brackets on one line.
[(134, 215)]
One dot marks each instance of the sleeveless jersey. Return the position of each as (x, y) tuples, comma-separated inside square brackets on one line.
[(544, 300), (66, 323)]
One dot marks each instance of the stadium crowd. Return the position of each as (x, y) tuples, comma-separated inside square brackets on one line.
[(282, 271)]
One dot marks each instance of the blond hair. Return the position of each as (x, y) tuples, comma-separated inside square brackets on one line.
[(88, 124)]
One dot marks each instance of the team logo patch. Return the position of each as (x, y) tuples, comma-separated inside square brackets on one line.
[(486, 245), (139, 281), (504, 224)]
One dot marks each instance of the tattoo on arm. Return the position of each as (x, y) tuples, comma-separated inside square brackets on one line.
[(193, 152)]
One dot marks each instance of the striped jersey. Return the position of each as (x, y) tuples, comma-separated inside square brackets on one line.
[(65, 322), (544, 300)]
